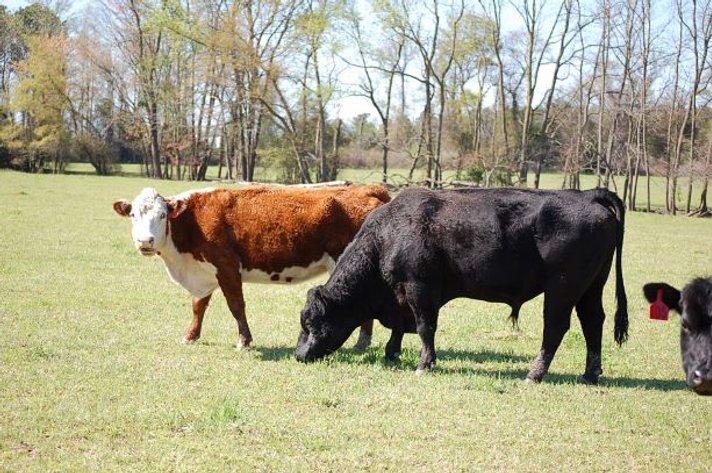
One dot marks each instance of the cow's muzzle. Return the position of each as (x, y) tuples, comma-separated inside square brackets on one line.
[(701, 384), (145, 247), (303, 350), (147, 251)]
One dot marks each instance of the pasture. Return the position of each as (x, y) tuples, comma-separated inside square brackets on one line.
[(93, 376)]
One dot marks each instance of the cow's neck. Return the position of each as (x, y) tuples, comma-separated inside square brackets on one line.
[(185, 269)]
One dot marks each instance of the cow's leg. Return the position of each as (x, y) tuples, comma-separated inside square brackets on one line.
[(364, 336), (591, 315), (199, 306), (426, 323), (557, 319), (231, 286), (393, 347), (426, 331)]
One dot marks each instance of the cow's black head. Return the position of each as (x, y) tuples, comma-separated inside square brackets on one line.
[(695, 306), (322, 331)]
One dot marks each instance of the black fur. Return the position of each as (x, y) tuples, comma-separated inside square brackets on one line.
[(426, 248), (694, 303)]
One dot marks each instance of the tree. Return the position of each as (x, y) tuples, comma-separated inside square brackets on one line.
[(313, 29), (384, 60), (695, 31), (537, 45), (41, 99)]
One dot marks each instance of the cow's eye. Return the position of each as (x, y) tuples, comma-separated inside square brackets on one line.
[(162, 215), (132, 215)]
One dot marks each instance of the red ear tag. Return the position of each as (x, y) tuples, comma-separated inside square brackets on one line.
[(658, 309)]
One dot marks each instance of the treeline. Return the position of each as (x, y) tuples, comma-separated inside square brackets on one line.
[(497, 90)]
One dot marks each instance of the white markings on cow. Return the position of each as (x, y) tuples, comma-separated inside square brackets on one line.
[(292, 274), (186, 194), (197, 277)]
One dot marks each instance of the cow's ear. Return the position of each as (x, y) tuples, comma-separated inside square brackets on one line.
[(670, 295), (122, 207), (315, 302), (175, 207)]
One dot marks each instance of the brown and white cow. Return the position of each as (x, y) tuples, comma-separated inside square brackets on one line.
[(214, 238)]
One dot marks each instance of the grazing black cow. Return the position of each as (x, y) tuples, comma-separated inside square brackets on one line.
[(695, 306), (426, 248)]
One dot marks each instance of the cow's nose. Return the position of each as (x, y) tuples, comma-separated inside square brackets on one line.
[(145, 241), (701, 384)]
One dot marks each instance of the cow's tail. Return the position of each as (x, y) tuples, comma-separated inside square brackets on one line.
[(614, 203)]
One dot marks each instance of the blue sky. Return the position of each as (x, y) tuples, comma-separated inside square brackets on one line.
[(14, 4)]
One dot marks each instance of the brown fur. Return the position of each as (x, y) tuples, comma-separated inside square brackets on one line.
[(271, 229)]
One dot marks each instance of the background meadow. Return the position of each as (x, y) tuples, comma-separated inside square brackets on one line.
[(93, 375)]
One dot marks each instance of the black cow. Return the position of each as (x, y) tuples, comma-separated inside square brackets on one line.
[(426, 248), (695, 306)]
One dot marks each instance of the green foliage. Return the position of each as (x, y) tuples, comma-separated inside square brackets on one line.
[(37, 19), (473, 43), (40, 98), (11, 46), (282, 161), (390, 15), (475, 173), (314, 23), (94, 377), (103, 157)]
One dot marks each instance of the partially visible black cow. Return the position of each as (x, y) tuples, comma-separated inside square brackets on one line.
[(695, 306), (425, 248)]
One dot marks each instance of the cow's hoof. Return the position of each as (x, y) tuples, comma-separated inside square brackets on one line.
[(393, 358), (243, 344), (363, 342), (422, 368), (529, 380), (189, 341), (587, 380)]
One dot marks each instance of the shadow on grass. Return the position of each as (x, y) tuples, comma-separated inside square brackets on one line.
[(374, 356), (80, 172), (274, 353), (624, 382), (554, 378)]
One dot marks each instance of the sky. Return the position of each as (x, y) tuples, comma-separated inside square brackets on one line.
[(13, 5), (345, 107)]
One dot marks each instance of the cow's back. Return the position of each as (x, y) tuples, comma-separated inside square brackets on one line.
[(276, 228), (499, 245)]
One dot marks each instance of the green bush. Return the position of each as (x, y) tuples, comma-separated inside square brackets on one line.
[(475, 173), (282, 160)]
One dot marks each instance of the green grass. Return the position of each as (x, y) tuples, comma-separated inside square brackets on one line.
[(93, 376)]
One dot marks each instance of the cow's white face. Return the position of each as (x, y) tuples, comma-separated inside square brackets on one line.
[(149, 217)]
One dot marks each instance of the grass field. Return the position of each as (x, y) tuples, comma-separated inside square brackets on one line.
[(93, 376)]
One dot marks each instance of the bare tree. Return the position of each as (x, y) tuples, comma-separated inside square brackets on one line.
[(377, 61), (536, 50), (696, 27), (566, 37)]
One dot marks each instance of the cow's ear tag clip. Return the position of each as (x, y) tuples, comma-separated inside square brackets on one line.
[(658, 309)]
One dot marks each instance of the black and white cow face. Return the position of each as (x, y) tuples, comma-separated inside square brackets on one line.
[(149, 214), (695, 306), (321, 334)]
